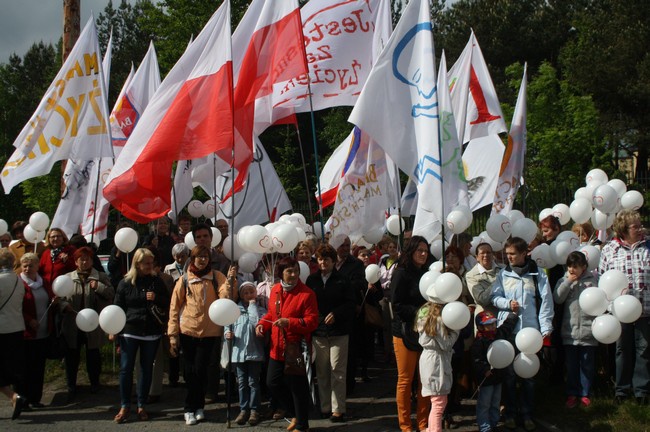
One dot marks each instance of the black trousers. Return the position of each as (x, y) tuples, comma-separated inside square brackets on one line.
[(72, 358), (291, 392), (196, 354), (35, 357)]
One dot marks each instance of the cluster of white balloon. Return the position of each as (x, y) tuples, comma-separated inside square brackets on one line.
[(196, 209), (529, 341), (35, 230)]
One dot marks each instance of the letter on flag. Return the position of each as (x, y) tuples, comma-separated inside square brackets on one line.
[(474, 99), (398, 106), (512, 166), (189, 117), (71, 121)]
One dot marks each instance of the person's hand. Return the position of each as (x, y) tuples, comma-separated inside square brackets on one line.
[(34, 324), (151, 296), (514, 306), (232, 272), (93, 284), (259, 331), (372, 287), (63, 256), (488, 373), (329, 319), (572, 277), (111, 337), (154, 241), (229, 335), (173, 346), (282, 323), (68, 308)]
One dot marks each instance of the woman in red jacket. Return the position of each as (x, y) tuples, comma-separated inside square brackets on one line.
[(292, 317), (57, 258)]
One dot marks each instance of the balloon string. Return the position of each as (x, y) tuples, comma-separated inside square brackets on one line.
[(46, 310), (479, 386)]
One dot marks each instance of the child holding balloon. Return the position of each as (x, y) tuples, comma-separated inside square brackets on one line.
[(437, 341), (487, 378), (579, 343)]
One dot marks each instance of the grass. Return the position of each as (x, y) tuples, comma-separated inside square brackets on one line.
[(55, 371)]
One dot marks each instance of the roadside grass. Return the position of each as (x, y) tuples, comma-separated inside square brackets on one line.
[(55, 370)]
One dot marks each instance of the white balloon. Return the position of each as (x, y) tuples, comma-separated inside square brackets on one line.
[(618, 185), (189, 240), (498, 227), (304, 271), (63, 286), (515, 215), (525, 229), (593, 301), (30, 234), (374, 235), (216, 237), (209, 210), (600, 220), (455, 315), (318, 229), (257, 239), (126, 239), (606, 329), (500, 354), (373, 273), (248, 262), (627, 308), (542, 256), (223, 311), (544, 213), (597, 176), (526, 365), (284, 238), (580, 210), (496, 246), (529, 340), (604, 198), (3, 227), (593, 256), (195, 208), (300, 218), (39, 221), (613, 282), (560, 251), (457, 221), (231, 248), (436, 266), (436, 248), (561, 211), (466, 211), (112, 319), (570, 237), (302, 236), (426, 281), (448, 287), (632, 200), (87, 320), (395, 225), (583, 193)]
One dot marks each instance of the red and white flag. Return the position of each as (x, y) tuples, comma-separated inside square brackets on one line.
[(512, 166), (476, 107), (267, 51), (190, 116)]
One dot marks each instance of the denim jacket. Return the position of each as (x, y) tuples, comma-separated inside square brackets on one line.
[(246, 345)]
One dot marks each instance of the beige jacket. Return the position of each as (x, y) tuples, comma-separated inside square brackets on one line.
[(188, 312)]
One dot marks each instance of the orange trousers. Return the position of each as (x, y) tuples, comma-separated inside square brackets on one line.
[(407, 363)]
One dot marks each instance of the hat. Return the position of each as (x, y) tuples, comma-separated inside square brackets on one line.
[(246, 285), (485, 318)]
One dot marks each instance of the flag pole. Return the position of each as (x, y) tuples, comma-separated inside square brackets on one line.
[(232, 226), (304, 170), (99, 173), (266, 198)]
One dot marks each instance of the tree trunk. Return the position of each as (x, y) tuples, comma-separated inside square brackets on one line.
[(71, 31)]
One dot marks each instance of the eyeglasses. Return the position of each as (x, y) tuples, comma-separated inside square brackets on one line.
[(202, 257), (55, 237), (422, 251)]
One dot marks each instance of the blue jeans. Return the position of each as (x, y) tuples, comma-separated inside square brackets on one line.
[(128, 350), (633, 359), (580, 367), (525, 402), (487, 407), (248, 380)]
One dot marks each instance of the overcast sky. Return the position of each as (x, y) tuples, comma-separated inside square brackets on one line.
[(25, 22)]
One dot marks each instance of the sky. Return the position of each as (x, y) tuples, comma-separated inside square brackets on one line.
[(25, 22)]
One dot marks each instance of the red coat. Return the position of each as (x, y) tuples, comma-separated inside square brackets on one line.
[(300, 306), (51, 270), (29, 311)]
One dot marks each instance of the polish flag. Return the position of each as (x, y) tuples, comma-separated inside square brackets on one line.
[(268, 51), (190, 116)]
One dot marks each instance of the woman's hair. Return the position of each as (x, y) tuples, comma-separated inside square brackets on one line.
[(29, 257), (139, 256), (433, 313), (326, 251), (306, 244), (451, 249), (623, 220), (284, 264), (83, 251), (552, 222), (576, 259), (482, 245), (7, 258), (584, 228), (60, 231), (200, 250), (406, 259), (385, 241), (180, 249)]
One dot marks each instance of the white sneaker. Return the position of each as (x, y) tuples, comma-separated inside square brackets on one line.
[(190, 419), (200, 415)]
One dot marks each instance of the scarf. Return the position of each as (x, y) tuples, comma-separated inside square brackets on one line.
[(54, 253), (38, 282), (197, 272), (286, 286), (487, 334)]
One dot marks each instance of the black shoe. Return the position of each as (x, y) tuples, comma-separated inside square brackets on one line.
[(21, 402), (152, 399), (338, 418), (173, 384), (94, 388), (325, 415), (37, 405), (72, 394)]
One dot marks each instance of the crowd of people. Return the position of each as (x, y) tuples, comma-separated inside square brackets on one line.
[(304, 339)]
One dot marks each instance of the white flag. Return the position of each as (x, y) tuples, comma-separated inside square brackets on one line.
[(71, 121), (482, 159), (398, 106), (512, 166), (474, 99)]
